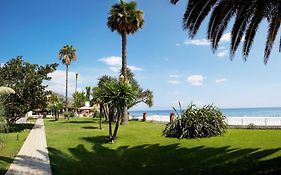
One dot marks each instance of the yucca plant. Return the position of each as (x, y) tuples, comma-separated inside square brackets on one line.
[(197, 122)]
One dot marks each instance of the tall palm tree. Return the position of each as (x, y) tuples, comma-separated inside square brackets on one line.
[(247, 14), (67, 54), (125, 18)]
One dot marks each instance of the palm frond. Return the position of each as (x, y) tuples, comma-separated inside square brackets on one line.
[(273, 28)]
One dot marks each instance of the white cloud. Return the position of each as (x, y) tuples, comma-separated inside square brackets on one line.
[(205, 42), (178, 44), (222, 80), (115, 64), (57, 83), (114, 69), (112, 61), (195, 80), (198, 42), (174, 81), (222, 53), (174, 76), (226, 37), (135, 68)]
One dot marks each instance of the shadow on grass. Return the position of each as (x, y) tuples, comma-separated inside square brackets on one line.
[(81, 122), (90, 127), (20, 127), (158, 159), (2, 160)]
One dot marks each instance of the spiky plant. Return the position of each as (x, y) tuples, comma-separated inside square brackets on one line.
[(196, 123)]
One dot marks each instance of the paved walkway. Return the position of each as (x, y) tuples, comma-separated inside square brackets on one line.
[(33, 157)]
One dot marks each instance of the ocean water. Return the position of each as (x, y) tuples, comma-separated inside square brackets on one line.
[(231, 112)]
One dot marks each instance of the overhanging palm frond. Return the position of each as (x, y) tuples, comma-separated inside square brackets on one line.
[(258, 15), (248, 15)]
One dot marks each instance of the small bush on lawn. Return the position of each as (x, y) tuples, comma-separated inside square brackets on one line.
[(196, 123), (69, 114)]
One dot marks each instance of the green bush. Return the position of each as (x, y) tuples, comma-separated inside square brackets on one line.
[(2, 117), (251, 126), (196, 123), (69, 114)]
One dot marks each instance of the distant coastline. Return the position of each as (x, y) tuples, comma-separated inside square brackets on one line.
[(228, 112)]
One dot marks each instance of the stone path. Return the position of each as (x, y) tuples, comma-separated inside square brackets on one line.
[(33, 156)]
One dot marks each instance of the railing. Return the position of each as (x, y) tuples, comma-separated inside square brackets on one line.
[(258, 121), (236, 121)]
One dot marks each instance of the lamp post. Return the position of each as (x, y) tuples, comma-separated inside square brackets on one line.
[(76, 78)]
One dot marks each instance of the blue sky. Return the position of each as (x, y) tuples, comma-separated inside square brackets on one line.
[(162, 57)]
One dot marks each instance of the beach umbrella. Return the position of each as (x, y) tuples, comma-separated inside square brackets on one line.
[(6, 90)]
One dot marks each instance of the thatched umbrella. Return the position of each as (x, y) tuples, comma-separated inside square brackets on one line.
[(6, 90)]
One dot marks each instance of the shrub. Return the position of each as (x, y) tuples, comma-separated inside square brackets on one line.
[(69, 114), (2, 117), (251, 126), (196, 123)]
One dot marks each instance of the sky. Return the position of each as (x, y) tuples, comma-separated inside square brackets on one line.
[(160, 54)]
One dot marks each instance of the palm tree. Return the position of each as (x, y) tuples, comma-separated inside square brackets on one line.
[(248, 15), (125, 18), (67, 54)]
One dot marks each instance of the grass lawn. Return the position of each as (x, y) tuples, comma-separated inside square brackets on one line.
[(11, 145), (79, 148)]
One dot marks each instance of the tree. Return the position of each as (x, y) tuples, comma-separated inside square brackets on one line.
[(117, 95), (55, 104), (248, 15), (79, 99), (143, 96), (26, 80), (4, 92), (125, 18), (98, 99), (88, 93), (67, 54)]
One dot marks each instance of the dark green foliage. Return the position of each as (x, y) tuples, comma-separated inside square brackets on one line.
[(2, 118), (27, 81), (55, 104), (196, 123), (68, 114), (79, 99), (251, 126), (247, 14), (143, 96)]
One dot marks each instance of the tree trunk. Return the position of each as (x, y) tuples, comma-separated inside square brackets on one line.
[(114, 137), (110, 128), (66, 90), (100, 115), (125, 118)]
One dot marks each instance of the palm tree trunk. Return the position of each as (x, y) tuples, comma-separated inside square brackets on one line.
[(66, 92), (124, 55), (124, 72)]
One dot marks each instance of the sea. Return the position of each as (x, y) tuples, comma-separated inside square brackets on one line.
[(230, 112)]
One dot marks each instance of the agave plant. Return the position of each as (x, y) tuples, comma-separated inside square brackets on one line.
[(196, 123)]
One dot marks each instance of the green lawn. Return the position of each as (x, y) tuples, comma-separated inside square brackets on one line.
[(11, 145), (79, 148)]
